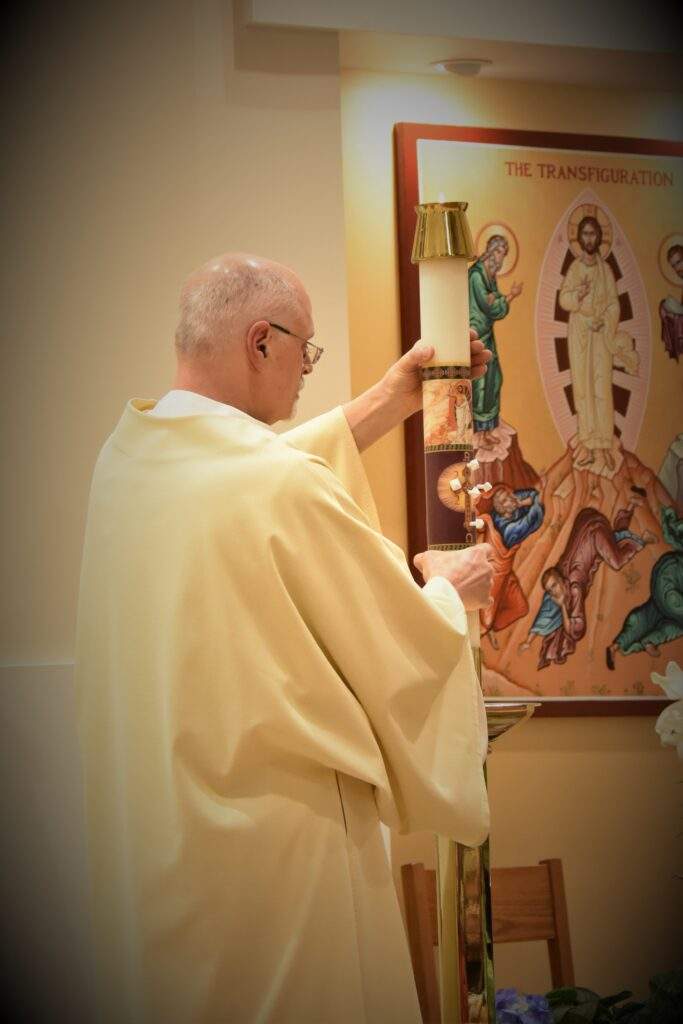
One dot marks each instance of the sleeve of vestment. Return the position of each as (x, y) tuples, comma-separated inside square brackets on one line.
[(611, 313), (330, 438), (568, 298), (518, 530), (576, 611), (494, 310), (405, 658)]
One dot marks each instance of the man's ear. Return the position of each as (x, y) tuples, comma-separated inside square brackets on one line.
[(257, 344)]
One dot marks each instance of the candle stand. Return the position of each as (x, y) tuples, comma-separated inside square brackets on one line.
[(442, 247), (466, 974)]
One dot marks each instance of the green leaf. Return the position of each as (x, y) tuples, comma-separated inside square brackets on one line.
[(587, 1010), (668, 984), (632, 1013), (579, 1014), (611, 1000), (562, 997), (586, 995), (576, 1005)]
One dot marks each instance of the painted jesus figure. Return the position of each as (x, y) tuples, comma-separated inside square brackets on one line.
[(589, 295)]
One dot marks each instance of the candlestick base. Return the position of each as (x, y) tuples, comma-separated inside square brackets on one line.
[(468, 988)]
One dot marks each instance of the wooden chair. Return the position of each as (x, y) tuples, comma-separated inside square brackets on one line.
[(527, 904)]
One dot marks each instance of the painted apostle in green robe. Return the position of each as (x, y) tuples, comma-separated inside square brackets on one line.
[(488, 304), (660, 619)]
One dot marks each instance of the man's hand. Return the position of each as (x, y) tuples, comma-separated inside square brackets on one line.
[(399, 393), (402, 381), (469, 571)]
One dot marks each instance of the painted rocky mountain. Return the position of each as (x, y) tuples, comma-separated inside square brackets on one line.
[(565, 490)]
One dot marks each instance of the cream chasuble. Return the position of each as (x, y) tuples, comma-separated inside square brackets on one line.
[(260, 681)]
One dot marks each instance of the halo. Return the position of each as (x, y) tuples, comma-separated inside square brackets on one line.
[(498, 228), (665, 268), (575, 218), (454, 500)]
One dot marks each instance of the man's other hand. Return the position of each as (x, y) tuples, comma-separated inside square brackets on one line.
[(402, 383), (399, 393), (469, 570)]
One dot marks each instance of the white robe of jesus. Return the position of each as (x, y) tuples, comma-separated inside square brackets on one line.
[(593, 323)]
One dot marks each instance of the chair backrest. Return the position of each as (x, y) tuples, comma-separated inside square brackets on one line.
[(527, 904)]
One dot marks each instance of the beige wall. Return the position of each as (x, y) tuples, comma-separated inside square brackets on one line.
[(599, 793), (144, 138), (140, 150)]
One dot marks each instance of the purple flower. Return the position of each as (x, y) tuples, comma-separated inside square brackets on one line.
[(513, 1007)]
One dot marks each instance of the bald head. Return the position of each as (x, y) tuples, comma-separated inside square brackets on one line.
[(220, 299), (243, 334)]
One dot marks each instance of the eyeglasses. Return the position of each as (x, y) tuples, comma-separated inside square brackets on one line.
[(313, 352)]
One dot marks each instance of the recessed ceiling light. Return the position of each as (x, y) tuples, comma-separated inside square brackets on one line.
[(468, 67)]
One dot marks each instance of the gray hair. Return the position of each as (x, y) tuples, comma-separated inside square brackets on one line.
[(496, 242), (499, 495), (220, 300)]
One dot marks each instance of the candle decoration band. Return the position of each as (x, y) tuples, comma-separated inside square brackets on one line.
[(441, 232), (450, 547), (429, 448), (450, 371)]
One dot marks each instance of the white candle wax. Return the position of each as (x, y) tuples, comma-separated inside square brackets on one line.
[(445, 323), (444, 309)]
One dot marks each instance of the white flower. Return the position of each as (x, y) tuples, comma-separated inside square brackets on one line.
[(672, 682), (669, 725)]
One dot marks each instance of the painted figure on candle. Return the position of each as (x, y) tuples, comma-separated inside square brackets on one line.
[(561, 620), (447, 412), (487, 305), (670, 308), (513, 516), (660, 619)]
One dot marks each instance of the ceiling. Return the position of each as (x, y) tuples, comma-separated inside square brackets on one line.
[(584, 43), (527, 62)]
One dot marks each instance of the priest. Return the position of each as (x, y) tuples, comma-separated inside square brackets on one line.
[(261, 682)]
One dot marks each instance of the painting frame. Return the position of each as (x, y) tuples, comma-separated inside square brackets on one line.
[(406, 138)]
